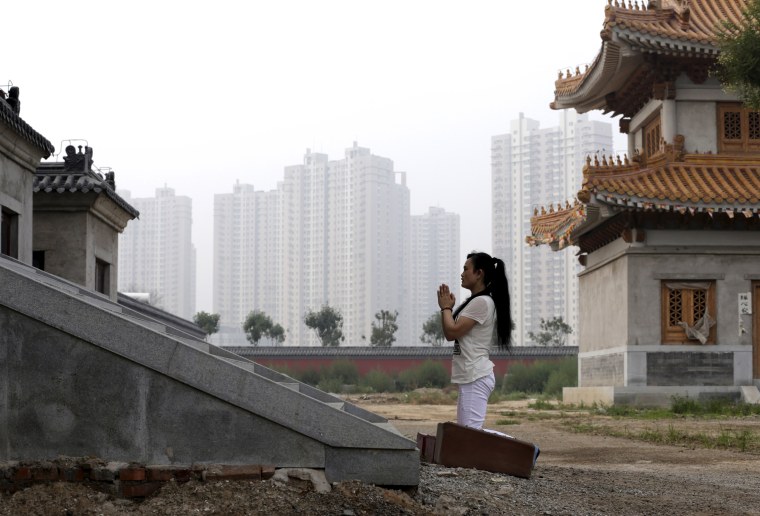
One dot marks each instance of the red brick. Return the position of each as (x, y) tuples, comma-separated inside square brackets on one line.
[(140, 489), (159, 474), (21, 473), (45, 473), (267, 472), (136, 474), (247, 472), (166, 473), (71, 474)]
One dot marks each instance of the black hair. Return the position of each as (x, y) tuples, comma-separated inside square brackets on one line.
[(497, 286)]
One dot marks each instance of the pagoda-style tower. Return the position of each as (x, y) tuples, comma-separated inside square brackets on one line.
[(670, 233)]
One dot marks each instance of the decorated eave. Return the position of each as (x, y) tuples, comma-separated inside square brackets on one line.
[(10, 118), (645, 47), (54, 178), (558, 228), (668, 182)]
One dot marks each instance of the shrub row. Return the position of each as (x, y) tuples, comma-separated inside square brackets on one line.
[(343, 375), (542, 377)]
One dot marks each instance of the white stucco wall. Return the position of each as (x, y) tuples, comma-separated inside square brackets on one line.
[(621, 301), (732, 259), (603, 304), (696, 121), (695, 115)]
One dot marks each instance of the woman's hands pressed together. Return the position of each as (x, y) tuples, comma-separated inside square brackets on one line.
[(451, 329), (446, 299)]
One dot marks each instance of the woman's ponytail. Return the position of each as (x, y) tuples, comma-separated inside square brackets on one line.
[(497, 285)]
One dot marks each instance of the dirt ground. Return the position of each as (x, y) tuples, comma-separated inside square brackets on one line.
[(576, 474)]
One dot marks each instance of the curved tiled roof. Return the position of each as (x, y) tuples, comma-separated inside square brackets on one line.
[(67, 183), (691, 182), (556, 226), (677, 27), (699, 181), (693, 21), (52, 178), (15, 122)]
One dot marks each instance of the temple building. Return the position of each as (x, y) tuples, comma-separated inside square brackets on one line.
[(78, 217), (669, 234)]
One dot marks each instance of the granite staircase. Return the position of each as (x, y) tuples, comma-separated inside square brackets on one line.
[(81, 375)]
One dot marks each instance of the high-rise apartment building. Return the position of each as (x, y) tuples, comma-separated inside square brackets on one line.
[(435, 259), (156, 253), (247, 258), (339, 232), (531, 167)]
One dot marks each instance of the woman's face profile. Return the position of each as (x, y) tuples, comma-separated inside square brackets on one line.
[(469, 275)]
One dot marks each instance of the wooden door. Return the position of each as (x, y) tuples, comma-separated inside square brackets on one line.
[(756, 329)]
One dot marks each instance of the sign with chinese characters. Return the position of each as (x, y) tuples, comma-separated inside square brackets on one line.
[(745, 307)]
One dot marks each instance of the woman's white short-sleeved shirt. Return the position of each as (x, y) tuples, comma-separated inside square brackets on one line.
[(471, 355)]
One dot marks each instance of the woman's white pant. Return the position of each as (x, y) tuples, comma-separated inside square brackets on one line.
[(473, 400)]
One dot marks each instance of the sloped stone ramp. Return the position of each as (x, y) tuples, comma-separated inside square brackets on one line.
[(83, 376)]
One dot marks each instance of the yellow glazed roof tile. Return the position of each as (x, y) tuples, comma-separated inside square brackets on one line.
[(697, 182), (684, 21)]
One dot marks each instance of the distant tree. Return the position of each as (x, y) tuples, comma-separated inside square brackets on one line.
[(257, 324), (328, 323), (553, 332), (384, 329), (738, 66), (208, 322), (432, 330), (277, 334)]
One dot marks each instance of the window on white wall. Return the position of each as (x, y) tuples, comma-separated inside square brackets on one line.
[(8, 232), (688, 312)]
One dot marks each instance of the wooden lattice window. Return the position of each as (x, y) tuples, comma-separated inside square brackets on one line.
[(652, 137), (738, 128), (688, 312), (753, 122)]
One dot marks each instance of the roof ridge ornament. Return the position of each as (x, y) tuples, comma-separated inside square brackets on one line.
[(674, 152), (631, 5), (78, 161), (13, 101)]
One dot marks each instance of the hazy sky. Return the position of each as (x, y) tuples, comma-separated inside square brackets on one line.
[(197, 95)]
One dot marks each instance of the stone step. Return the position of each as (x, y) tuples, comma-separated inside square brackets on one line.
[(387, 426), (750, 394), (293, 386), (207, 403)]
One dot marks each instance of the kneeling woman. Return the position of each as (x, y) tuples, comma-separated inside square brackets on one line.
[(478, 324)]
